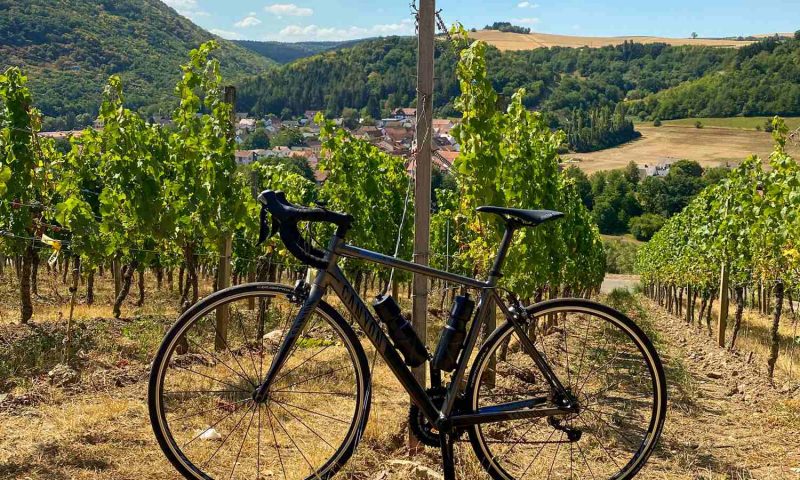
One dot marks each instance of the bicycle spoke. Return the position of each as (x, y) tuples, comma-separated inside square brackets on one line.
[(537, 454), (258, 446), (552, 464), (317, 376), (602, 445), (338, 394), (211, 427), (277, 448), (242, 375), (225, 440), (206, 410), (211, 378), (304, 424), (578, 444), (244, 438), (602, 365), (244, 337), (311, 412), (311, 467)]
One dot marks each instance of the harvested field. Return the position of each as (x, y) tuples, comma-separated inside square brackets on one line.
[(710, 147), (518, 41)]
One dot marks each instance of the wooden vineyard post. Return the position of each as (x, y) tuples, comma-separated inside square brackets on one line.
[(117, 274), (73, 290), (724, 300), (226, 250), (223, 281), (422, 188)]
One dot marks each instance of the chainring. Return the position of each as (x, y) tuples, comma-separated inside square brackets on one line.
[(419, 425)]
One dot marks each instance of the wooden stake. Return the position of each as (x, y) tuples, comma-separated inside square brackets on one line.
[(422, 187), (724, 300)]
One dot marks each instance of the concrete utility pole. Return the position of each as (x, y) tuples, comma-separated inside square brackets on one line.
[(422, 188)]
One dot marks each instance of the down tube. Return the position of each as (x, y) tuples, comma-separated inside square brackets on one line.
[(381, 342)]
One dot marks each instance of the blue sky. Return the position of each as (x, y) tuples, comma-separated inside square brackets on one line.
[(303, 20)]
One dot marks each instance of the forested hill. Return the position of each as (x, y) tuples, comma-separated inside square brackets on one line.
[(379, 75), (70, 48), (283, 52), (761, 79)]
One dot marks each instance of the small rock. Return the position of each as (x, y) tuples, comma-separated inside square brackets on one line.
[(62, 375), (714, 374), (414, 470), (274, 337), (211, 434)]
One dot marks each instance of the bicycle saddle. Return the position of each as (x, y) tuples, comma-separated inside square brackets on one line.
[(526, 218)]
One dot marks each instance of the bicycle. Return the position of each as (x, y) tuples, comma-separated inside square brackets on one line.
[(287, 385)]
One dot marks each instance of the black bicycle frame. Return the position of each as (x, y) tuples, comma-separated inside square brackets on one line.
[(333, 278)]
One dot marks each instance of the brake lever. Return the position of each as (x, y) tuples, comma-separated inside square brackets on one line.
[(265, 230)]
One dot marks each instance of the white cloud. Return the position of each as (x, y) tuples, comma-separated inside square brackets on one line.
[(526, 21), (527, 5), (248, 21), (289, 10), (226, 34), (316, 32), (188, 8)]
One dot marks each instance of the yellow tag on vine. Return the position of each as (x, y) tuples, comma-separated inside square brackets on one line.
[(56, 244)]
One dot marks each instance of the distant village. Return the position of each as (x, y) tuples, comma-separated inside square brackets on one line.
[(394, 135)]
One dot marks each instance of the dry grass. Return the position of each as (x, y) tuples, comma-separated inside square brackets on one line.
[(518, 41), (99, 428), (710, 147), (754, 336)]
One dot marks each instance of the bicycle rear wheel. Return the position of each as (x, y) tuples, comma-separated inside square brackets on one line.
[(605, 361), (202, 384)]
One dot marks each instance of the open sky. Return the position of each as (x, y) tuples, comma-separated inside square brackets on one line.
[(308, 20)]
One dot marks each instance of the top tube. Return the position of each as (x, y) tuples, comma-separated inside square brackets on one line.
[(350, 251)]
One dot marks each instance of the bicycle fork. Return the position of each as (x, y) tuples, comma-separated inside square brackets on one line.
[(316, 293)]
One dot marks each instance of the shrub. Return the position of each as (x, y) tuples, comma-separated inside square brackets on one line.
[(698, 124), (645, 226), (620, 255)]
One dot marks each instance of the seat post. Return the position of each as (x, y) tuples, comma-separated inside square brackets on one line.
[(505, 244)]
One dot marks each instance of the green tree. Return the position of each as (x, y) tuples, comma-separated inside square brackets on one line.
[(259, 139), (288, 137), (645, 226), (350, 118), (582, 185)]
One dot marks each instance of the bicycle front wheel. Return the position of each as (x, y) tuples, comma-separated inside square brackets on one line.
[(203, 379), (604, 361)]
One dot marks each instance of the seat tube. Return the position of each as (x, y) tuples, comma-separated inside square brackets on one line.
[(505, 244)]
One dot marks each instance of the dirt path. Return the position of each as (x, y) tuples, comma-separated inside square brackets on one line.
[(726, 421)]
